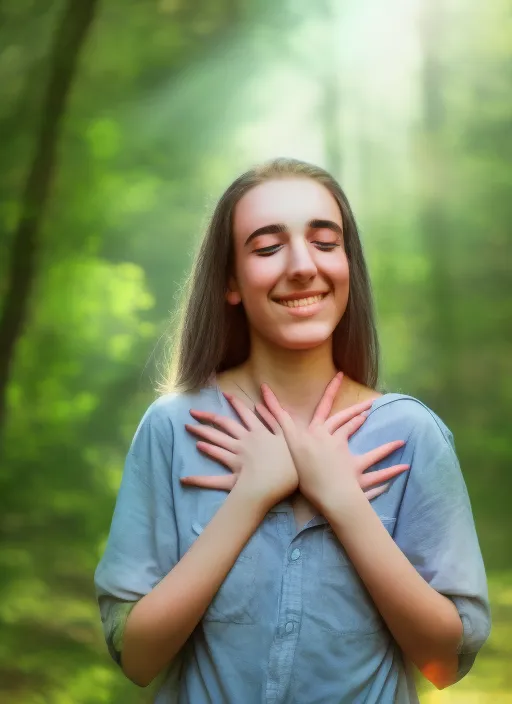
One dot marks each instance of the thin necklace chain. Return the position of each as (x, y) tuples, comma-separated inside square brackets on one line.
[(244, 392)]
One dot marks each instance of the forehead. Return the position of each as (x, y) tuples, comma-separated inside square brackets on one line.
[(291, 201)]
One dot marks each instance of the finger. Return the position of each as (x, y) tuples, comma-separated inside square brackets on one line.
[(248, 417), (269, 419), (373, 456), (213, 436), (225, 482), (350, 428), (372, 493), (325, 404), (342, 417), (382, 475), (231, 426), (282, 416), (228, 459)]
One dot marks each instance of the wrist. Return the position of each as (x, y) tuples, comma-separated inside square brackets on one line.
[(340, 501), (253, 497)]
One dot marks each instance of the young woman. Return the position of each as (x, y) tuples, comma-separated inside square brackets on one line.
[(256, 555)]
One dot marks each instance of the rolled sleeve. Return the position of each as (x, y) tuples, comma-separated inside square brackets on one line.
[(114, 615), (142, 545), (436, 531), (476, 624)]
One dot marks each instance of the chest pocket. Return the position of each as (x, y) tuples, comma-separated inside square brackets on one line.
[(235, 600), (344, 605)]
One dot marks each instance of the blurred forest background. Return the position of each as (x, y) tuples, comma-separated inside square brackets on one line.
[(121, 122)]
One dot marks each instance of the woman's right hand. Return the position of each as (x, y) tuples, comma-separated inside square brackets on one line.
[(257, 456)]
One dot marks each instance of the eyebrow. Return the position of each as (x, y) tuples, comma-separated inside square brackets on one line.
[(280, 227)]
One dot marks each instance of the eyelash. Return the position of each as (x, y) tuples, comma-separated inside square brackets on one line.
[(268, 251)]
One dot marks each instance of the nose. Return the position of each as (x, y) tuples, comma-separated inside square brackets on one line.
[(301, 265)]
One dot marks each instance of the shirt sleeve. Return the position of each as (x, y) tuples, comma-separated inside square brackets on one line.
[(142, 545), (436, 531)]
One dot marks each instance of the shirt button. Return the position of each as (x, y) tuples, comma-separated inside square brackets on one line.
[(289, 627), (295, 554)]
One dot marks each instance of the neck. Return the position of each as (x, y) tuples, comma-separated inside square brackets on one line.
[(297, 377)]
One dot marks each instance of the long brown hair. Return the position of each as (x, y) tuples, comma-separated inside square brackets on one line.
[(213, 335)]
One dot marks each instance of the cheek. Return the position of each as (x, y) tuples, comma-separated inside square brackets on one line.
[(338, 270), (258, 274)]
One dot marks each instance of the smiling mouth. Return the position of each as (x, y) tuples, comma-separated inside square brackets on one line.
[(302, 302)]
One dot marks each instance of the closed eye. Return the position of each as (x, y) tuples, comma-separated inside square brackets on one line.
[(327, 246), (272, 249), (267, 251)]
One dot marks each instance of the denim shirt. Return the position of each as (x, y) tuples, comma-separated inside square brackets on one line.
[(292, 623)]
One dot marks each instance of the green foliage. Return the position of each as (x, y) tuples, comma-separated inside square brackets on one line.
[(172, 100)]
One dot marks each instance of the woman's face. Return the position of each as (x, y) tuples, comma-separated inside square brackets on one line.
[(291, 271)]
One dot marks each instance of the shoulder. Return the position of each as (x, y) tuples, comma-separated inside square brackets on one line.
[(170, 410), (421, 424)]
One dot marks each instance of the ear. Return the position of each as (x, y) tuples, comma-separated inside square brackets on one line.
[(232, 295)]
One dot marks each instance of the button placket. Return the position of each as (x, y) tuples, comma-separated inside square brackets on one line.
[(283, 647), (283, 525)]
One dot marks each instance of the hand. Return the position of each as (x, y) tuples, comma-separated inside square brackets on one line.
[(257, 456), (321, 454)]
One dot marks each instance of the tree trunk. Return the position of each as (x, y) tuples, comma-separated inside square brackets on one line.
[(70, 38), (330, 120), (330, 108), (434, 220)]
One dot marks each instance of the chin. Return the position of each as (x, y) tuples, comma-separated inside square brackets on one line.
[(303, 339)]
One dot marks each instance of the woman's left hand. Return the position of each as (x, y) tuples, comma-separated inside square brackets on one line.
[(324, 463)]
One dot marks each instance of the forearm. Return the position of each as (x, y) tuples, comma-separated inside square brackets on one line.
[(424, 623), (161, 622)]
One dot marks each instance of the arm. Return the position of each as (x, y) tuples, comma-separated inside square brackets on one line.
[(162, 621), (424, 623), (142, 563), (434, 535)]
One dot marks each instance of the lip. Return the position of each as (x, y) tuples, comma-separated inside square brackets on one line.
[(304, 311)]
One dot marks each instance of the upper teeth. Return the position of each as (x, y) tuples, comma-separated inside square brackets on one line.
[(302, 301)]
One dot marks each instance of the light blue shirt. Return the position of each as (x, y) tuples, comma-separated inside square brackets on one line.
[(292, 623)]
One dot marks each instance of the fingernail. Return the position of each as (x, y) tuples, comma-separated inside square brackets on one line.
[(365, 413)]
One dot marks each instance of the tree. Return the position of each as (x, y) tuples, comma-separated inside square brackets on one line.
[(69, 39), (434, 225)]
